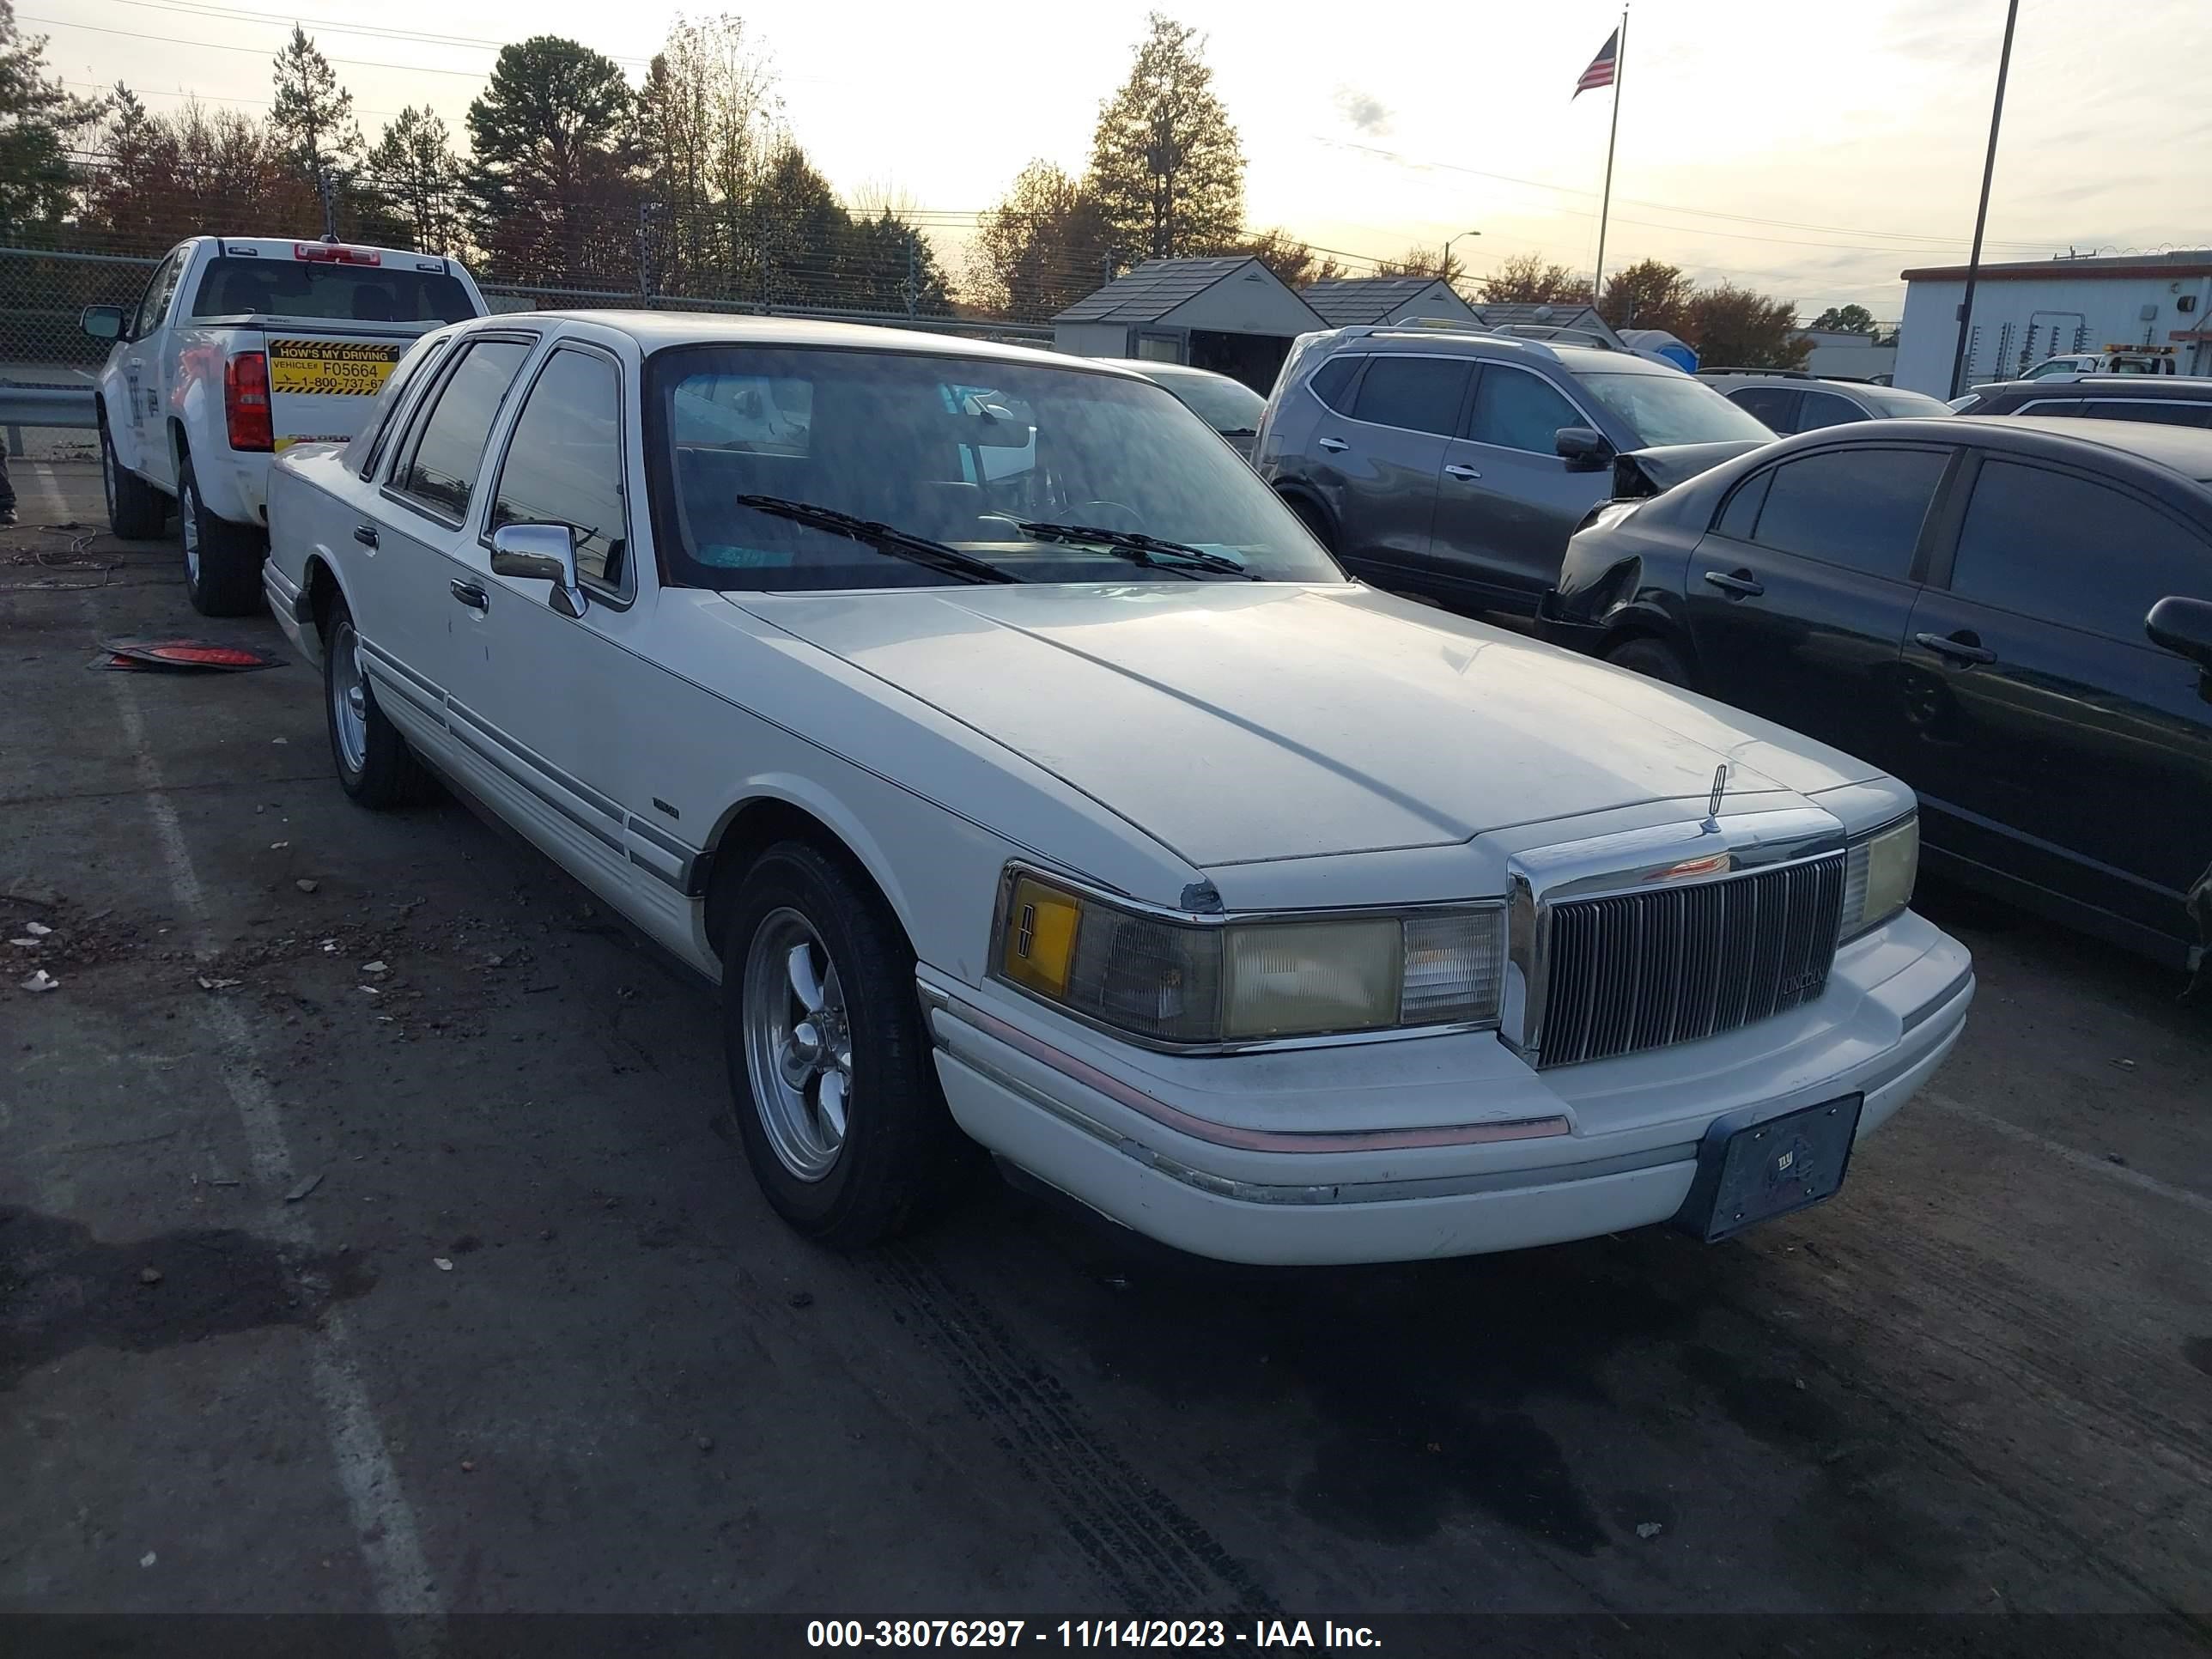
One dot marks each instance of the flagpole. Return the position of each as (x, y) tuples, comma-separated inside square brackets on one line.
[(1605, 206)]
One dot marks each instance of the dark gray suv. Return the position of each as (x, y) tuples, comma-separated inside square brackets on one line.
[(1455, 464)]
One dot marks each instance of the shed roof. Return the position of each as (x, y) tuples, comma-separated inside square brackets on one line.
[(1153, 290), (1562, 313), (1346, 301)]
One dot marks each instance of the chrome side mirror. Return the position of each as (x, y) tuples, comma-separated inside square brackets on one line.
[(540, 552)]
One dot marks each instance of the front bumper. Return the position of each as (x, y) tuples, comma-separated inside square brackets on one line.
[(1555, 628), (1436, 1146)]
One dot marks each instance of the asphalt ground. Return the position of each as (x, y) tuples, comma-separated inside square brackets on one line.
[(438, 1287)]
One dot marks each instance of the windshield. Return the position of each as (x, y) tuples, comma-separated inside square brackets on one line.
[(358, 293), (1671, 408), (962, 450), (1890, 401), (1225, 405)]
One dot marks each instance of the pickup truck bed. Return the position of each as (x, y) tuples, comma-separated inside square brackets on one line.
[(240, 348)]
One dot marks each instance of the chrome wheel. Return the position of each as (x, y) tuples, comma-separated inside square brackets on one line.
[(798, 1044), (348, 698), (188, 517)]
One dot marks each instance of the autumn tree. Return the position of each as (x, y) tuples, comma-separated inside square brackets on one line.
[(1435, 262), (1166, 167), (311, 119), (192, 171), (552, 183), (710, 126), (414, 170), (38, 120), (1041, 248), (1294, 264), (1649, 294), (1734, 326), (1529, 279)]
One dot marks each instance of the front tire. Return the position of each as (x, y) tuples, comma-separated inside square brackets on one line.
[(135, 510), (375, 767), (1316, 521), (222, 560), (831, 1079)]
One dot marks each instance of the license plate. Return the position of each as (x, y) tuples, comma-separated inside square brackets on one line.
[(343, 369), (1751, 1169)]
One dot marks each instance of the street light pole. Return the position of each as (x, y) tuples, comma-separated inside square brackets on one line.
[(1444, 271), (1982, 213)]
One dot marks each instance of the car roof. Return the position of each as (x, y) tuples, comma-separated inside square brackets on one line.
[(658, 331), (2184, 449), (1152, 371), (1475, 339), (2158, 386)]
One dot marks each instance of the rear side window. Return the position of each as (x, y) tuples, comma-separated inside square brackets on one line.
[(564, 461), (2167, 411), (1332, 382), (369, 444), (1421, 394), (361, 293), (1776, 405), (1860, 509), (2068, 550), (1826, 409), (441, 472), (1516, 409)]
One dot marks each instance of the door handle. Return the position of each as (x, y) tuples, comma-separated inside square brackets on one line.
[(1458, 471), (1962, 647), (470, 594), (365, 534), (1740, 583), (1331, 445)]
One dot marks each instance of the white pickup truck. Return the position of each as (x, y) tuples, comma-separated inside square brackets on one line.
[(239, 349)]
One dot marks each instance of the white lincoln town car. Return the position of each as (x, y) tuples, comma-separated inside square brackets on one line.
[(1026, 776)]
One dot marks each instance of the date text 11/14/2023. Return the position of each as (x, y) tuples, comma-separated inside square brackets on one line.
[(1086, 1633)]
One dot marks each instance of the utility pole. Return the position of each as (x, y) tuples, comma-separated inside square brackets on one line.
[(913, 287), (1982, 212)]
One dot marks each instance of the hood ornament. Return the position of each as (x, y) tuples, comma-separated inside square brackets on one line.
[(1711, 826)]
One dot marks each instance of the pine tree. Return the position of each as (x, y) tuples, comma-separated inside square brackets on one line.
[(1166, 167), (37, 120), (414, 169), (311, 116)]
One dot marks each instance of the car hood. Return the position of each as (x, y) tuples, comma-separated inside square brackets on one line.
[(1641, 472), (1241, 722)]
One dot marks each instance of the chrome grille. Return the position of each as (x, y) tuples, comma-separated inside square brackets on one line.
[(1639, 971)]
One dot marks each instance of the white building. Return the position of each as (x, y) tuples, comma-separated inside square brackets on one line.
[(1840, 355), (2039, 308)]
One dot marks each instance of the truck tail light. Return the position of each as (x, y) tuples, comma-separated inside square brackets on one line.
[(246, 401), (335, 253)]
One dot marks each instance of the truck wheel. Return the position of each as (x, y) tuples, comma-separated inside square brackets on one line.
[(1653, 659), (222, 560), (375, 767), (831, 1079), (135, 510)]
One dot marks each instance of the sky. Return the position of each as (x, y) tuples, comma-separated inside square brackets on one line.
[(1809, 150)]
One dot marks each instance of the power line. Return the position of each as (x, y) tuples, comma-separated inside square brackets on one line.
[(258, 51)]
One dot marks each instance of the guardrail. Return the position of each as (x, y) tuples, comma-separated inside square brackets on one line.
[(48, 405)]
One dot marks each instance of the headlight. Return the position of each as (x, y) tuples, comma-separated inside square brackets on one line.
[(1172, 981), (1878, 876)]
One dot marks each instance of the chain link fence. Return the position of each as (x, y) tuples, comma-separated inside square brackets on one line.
[(44, 292)]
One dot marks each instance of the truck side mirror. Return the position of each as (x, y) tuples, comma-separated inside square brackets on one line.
[(102, 322)]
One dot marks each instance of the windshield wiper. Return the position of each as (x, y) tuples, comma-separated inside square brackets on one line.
[(885, 538), (1140, 549)]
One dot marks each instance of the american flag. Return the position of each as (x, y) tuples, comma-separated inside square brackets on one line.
[(1599, 73)]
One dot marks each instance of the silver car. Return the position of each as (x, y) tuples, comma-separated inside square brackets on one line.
[(1455, 464), (1790, 400)]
